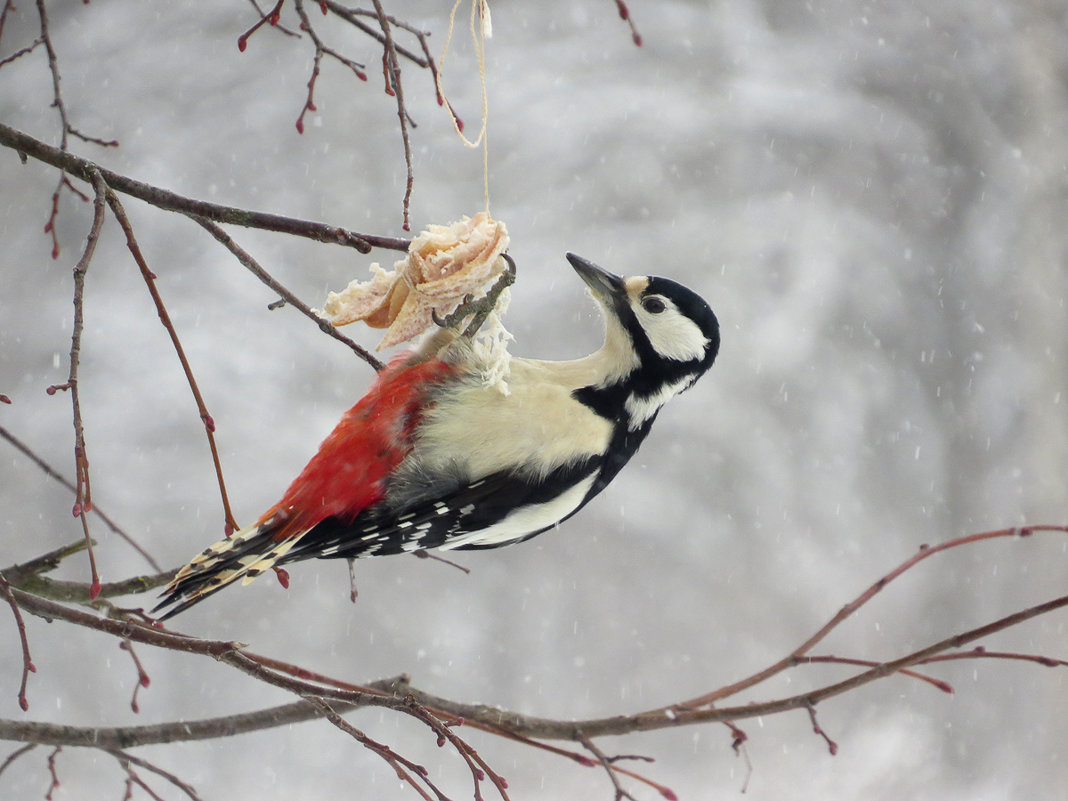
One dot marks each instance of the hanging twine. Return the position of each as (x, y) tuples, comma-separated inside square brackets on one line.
[(481, 30)]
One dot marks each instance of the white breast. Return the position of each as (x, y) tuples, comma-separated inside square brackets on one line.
[(538, 426)]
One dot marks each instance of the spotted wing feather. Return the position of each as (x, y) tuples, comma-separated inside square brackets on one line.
[(442, 519)]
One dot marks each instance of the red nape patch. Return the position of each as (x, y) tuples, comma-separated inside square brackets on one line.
[(371, 439)]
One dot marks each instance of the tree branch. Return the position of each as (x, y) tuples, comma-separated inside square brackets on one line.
[(394, 693), (254, 267), (54, 474), (846, 611), (162, 733), (169, 201), (83, 502), (164, 317), (392, 70)]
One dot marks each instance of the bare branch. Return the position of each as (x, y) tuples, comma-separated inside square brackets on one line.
[(624, 14), (142, 677), (83, 502), (979, 652), (352, 16), (126, 760), (843, 660), (78, 592), (271, 16), (20, 624), (169, 201), (165, 318), (494, 719), (606, 763), (162, 733), (278, 26), (475, 763), (253, 266), (14, 755), (391, 67), (54, 474), (44, 563), (832, 746), (20, 53), (406, 770), (9, 5), (320, 50), (54, 784), (846, 611)]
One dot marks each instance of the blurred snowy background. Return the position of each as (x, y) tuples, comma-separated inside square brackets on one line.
[(871, 195)]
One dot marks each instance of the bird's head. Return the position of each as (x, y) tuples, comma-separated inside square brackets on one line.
[(671, 330)]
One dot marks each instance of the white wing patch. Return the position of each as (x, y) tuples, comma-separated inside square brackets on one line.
[(527, 519)]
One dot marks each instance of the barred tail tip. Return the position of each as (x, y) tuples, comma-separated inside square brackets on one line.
[(245, 555)]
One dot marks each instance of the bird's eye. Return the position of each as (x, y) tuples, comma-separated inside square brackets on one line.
[(653, 304)]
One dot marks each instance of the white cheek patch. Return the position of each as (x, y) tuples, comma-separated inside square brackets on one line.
[(672, 334)]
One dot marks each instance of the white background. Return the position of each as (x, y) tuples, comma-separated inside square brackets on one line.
[(872, 197)]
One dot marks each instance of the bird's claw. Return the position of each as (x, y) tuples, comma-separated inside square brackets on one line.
[(481, 308)]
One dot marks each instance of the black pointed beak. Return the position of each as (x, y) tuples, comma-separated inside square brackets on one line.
[(604, 284)]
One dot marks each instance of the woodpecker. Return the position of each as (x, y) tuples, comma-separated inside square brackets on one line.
[(433, 457)]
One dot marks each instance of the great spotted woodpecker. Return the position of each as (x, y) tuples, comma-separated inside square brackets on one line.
[(432, 457)]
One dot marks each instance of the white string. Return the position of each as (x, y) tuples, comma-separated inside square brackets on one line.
[(479, 34)]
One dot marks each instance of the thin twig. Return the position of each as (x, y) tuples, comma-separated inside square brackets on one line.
[(605, 763), (309, 102), (421, 554), (14, 755), (847, 611), (391, 66), (624, 14), (44, 563), (320, 50), (54, 474), (27, 662), (478, 767), (681, 715), (126, 759), (9, 5), (406, 770), (352, 16), (20, 53), (271, 16), (253, 266), (93, 140), (278, 26), (389, 687), (83, 502), (54, 784), (143, 679), (165, 318), (738, 740), (353, 592), (61, 109), (979, 652), (842, 660), (832, 746)]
